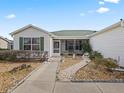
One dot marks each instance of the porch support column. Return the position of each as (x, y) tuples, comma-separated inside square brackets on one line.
[(74, 45)]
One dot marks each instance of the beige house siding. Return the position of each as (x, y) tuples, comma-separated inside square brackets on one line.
[(110, 44), (32, 32), (3, 44)]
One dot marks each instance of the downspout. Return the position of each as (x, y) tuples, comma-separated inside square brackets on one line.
[(122, 23)]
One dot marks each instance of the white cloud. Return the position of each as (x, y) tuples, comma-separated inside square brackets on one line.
[(112, 1), (82, 14), (102, 10), (11, 16), (101, 2)]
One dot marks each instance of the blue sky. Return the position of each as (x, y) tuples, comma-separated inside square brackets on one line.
[(54, 15)]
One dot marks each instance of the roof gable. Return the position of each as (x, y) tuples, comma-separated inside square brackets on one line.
[(5, 39), (118, 24), (28, 26)]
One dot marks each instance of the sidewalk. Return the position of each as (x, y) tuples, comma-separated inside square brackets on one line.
[(42, 81)]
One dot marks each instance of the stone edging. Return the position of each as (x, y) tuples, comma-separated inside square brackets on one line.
[(94, 81), (100, 81), (24, 79)]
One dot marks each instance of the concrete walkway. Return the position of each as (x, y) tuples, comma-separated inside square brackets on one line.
[(42, 81)]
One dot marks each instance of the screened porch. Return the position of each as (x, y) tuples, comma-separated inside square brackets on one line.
[(69, 46)]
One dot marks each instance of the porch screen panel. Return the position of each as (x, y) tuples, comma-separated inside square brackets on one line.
[(66, 45), (42, 43)]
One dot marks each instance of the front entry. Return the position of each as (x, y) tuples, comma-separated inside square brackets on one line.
[(56, 47)]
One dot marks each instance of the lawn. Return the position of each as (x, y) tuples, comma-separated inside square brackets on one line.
[(9, 79)]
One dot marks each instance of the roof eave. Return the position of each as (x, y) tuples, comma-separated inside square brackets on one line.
[(71, 37), (7, 40), (106, 29)]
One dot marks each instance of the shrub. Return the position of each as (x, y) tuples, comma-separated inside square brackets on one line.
[(11, 58), (8, 57), (110, 63), (95, 55), (98, 61), (3, 49), (2, 57), (105, 62)]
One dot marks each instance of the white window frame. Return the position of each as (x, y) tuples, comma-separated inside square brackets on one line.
[(31, 43)]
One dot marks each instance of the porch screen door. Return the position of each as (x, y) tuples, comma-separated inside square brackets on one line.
[(56, 46)]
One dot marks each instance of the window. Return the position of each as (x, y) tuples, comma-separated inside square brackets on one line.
[(31, 43), (56, 44), (27, 47), (27, 43), (35, 47), (27, 40), (78, 45), (35, 41)]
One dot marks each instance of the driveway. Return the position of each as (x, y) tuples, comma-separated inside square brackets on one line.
[(89, 87), (43, 81)]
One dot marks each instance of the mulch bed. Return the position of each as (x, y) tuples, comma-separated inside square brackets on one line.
[(93, 73), (11, 73)]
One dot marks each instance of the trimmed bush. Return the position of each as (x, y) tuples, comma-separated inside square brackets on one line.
[(14, 55), (11, 58), (8, 57), (3, 49)]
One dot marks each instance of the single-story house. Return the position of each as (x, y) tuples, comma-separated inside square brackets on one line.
[(5, 43), (109, 41), (32, 38)]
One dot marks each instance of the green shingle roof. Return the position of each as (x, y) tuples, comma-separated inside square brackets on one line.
[(73, 32)]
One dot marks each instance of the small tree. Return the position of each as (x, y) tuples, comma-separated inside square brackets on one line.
[(86, 47)]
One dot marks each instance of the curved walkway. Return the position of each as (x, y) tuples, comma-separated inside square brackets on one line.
[(67, 74)]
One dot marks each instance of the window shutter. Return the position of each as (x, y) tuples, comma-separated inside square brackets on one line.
[(21, 43), (66, 46), (42, 43)]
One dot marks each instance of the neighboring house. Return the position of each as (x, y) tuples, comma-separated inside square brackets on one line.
[(110, 42), (5, 43), (33, 38)]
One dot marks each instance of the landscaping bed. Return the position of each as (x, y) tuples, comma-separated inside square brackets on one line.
[(90, 72), (100, 68), (69, 61), (13, 72)]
